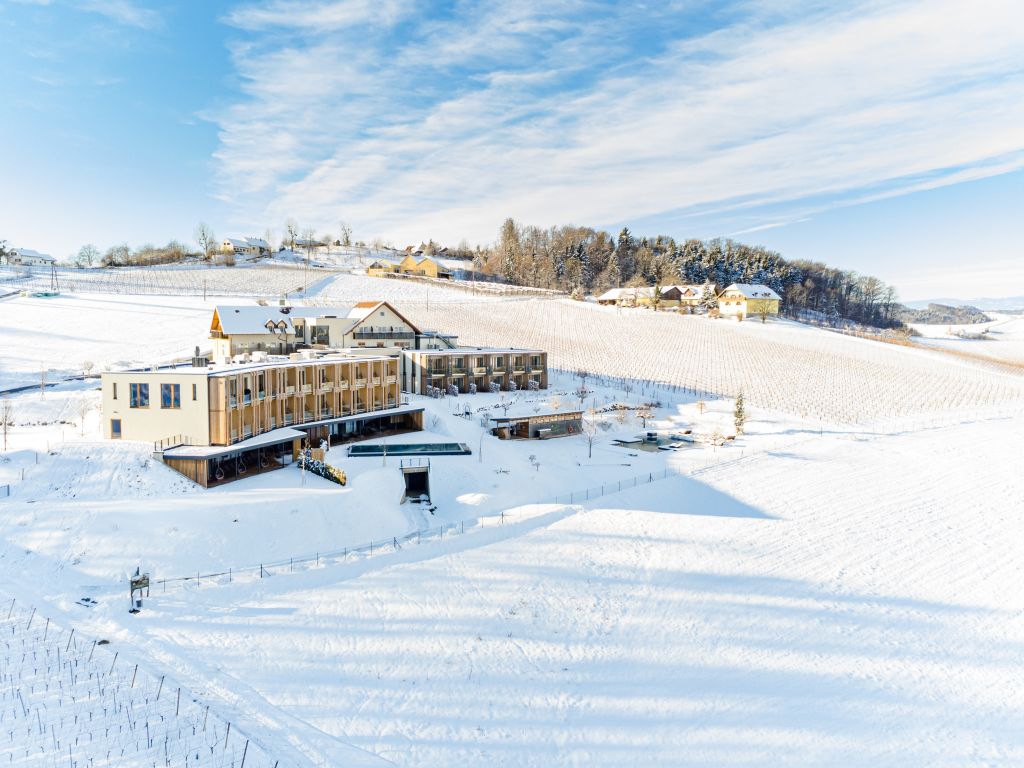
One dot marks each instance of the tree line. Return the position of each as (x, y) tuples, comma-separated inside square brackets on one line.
[(581, 260)]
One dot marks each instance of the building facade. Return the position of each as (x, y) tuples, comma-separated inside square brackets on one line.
[(742, 300), (470, 369), (210, 421)]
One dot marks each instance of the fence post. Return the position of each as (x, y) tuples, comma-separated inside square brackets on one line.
[(261, 570)]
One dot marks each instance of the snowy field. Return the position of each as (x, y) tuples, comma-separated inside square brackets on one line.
[(813, 592), (63, 334), (261, 279), (1003, 338), (779, 365)]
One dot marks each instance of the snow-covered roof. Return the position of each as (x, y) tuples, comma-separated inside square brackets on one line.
[(751, 291), (248, 242), (249, 319), (527, 410), (273, 437)]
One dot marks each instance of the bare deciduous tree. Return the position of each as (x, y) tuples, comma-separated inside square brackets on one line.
[(291, 230), (644, 414), (87, 254), (590, 429), (87, 367), (205, 239), (6, 418), (84, 409)]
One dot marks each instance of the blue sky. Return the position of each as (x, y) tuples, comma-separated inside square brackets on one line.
[(886, 137)]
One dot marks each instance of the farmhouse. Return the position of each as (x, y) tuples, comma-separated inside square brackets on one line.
[(538, 426), (473, 369), (215, 422), (26, 257), (742, 300), (640, 296), (236, 330), (688, 296), (249, 246)]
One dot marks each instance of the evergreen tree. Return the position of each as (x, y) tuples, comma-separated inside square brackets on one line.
[(708, 298), (739, 415)]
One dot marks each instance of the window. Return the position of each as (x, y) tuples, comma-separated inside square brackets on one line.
[(170, 396), (194, 392), (115, 390), (115, 429), (139, 395), (321, 334)]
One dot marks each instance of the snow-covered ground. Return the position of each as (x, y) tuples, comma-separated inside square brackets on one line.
[(64, 334), (808, 606), (810, 592), (1002, 339)]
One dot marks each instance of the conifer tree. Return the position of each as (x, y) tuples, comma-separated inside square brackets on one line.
[(739, 415)]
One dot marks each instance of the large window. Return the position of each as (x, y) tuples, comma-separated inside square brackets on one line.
[(170, 396), (139, 395), (321, 334), (115, 429)]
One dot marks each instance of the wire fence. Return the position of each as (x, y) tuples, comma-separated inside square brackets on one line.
[(355, 553), (258, 280), (67, 700)]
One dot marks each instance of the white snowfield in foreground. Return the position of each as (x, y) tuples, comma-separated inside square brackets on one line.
[(837, 605)]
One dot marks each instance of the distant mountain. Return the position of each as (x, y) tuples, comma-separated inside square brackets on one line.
[(986, 305)]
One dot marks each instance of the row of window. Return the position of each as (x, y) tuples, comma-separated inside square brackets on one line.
[(170, 395)]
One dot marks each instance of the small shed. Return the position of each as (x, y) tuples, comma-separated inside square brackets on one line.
[(538, 426)]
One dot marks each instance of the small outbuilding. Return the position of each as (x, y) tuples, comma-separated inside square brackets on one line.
[(538, 426)]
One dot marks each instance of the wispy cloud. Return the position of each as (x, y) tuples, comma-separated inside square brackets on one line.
[(591, 112), (126, 12)]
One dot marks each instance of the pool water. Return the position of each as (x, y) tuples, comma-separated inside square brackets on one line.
[(411, 449)]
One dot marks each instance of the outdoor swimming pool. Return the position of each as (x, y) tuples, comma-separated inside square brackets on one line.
[(410, 449)]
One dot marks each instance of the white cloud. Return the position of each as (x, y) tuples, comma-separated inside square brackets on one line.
[(545, 112), (124, 12)]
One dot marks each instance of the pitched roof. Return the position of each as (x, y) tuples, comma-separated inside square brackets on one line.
[(754, 291), (253, 319)]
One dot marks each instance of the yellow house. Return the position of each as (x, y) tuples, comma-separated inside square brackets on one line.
[(743, 300), (381, 268), (423, 267)]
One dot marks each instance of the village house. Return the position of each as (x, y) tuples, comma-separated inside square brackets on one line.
[(413, 264), (249, 246), (743, 300), (26, 257), (473, 369), (214, 422), (688, 296)]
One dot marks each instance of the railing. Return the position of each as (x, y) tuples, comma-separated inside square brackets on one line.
[(307, 388), (360, 382), (371, 334), (171, 442)]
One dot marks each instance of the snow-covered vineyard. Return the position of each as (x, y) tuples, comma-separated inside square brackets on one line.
[(834, 584), (68, 700)]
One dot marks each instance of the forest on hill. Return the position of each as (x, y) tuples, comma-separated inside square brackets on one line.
[(582, 260)]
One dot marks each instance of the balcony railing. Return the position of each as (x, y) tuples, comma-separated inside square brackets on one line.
[(391, 379), (371, 334), (375, 381), (479, 371), (289, 390), (360, 382), (341, 385), (307, 388)]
